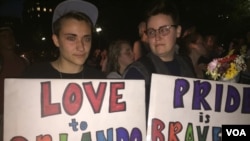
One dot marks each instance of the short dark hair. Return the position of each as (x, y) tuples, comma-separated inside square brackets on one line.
[(166, 8), (71, 15)]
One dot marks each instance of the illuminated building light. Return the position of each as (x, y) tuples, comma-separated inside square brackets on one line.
[(98, 29), (38, 8)]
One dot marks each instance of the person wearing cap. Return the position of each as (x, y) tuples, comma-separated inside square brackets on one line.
[(72, 26)]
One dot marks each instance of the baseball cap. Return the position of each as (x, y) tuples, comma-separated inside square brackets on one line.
[(76, 5)]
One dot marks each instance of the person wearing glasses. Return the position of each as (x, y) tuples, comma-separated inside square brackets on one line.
[(163, 29)]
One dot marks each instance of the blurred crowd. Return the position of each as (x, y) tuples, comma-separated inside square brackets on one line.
[(199, 48)]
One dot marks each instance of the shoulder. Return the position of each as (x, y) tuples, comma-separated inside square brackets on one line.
[(186, 66), (183, 59), (38, 70), (39, 66), (114, 75), (133, 73), (136, 70)]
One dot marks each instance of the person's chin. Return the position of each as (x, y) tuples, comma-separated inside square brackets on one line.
[(80, 62), (159, 52)]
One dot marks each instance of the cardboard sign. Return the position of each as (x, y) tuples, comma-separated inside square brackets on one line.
[(184, 109), (74, 110)]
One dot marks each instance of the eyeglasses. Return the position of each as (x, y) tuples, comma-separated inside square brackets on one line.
[(163, 31)]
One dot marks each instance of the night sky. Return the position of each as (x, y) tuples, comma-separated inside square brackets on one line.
[(11, 8), (120, 18)]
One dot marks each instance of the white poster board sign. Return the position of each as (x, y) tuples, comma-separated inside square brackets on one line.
[(74, 110), (192, 109)]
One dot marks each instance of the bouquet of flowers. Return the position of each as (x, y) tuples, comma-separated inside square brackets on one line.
[(226, 68)]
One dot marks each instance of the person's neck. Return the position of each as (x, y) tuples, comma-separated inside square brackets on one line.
[(67, 67), (167, 57)]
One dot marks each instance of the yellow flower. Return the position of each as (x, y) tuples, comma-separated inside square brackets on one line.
[(226, 68), (231, 72)]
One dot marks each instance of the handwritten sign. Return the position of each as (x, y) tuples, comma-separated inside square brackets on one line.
[(193, 109), (74, 110)]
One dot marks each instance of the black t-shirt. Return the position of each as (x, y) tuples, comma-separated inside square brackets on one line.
[(173, 67), (45, 70)]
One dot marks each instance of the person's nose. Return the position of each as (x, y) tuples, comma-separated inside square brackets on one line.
[(157, 35), (80, 45)]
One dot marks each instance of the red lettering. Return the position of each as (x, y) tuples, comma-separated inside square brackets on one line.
[(44, 138), (174, 129), (72, 99), (95, 99), (47, 107), (114, 97), (157, 127), (18, 138)]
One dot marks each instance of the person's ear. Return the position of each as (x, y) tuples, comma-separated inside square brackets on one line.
[(55, 40), (178, 29)]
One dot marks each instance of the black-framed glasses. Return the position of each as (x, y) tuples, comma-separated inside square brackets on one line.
[(163, 31)]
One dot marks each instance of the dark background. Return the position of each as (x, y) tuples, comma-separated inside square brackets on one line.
[(120, 18)]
